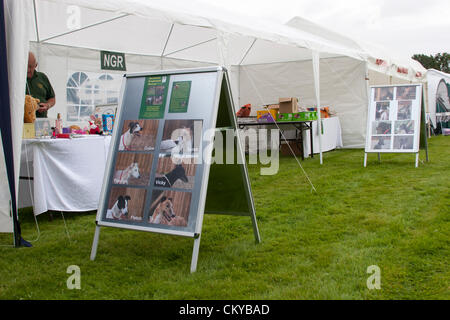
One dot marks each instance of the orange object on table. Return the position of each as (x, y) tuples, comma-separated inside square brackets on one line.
[(244, 111)]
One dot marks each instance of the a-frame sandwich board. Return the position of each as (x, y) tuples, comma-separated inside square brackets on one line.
[(159, 177)]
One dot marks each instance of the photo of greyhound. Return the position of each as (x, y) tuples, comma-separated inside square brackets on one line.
[(119, 211), (122, 176), (134, 130), (164, 213)]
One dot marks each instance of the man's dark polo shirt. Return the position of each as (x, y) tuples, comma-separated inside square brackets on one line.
[(39, 87)]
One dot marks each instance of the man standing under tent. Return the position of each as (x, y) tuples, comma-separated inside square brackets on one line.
[(39, 87)]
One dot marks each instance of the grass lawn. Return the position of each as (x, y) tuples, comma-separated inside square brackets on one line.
[(314, 245)]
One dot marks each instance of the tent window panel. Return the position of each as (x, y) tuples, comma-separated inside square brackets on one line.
[(73, 113), (85, 112), (73, 96), (85, 90)]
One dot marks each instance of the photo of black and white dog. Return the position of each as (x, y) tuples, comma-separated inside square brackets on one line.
[(119, 210), (126, 204)]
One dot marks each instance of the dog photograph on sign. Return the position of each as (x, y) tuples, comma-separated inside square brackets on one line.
[(406, 93), (133, 169), (170, 208), (404, 142), (138, 135), (172, 175), (404, 111), (384, 94), (404, 127), (126, 204), (382, 111), (381, 143), (381, 127)]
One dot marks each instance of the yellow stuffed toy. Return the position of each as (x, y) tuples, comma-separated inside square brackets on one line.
[(31, 105)]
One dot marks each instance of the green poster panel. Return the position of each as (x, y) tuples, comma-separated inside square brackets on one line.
[(179, 99), (154, 97)]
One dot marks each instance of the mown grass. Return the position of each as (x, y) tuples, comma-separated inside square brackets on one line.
[(314, 245)]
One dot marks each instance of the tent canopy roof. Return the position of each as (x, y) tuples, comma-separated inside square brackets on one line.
[(380, 59), (177, 29)]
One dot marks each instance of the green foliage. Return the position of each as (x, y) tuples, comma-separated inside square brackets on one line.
[(314, 245), (440, 61)]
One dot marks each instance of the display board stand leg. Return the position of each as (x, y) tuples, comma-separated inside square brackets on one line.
[(379, 157), (95, 243), (255, 228), (365, 160), (417, 160), (195, 254)]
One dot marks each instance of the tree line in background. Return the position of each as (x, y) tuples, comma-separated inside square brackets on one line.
[(440, 61)]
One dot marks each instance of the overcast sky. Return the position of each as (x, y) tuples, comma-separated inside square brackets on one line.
[(406, 26)]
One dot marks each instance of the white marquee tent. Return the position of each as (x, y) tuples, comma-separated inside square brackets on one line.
[(266, 60), (385, 66), (437, 83)]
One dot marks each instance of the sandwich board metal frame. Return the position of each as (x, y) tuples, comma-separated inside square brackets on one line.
[(395, 121), (158, 102)]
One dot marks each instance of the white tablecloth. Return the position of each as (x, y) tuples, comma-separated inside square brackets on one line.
[(68, 173), (331, 138)]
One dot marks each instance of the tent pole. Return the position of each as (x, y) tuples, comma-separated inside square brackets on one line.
[(165, 46), (193, 46), (86, 27), (6, 126), (247, 52), (36, 21), (316, 71)]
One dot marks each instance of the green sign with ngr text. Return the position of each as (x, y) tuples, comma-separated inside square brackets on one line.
[(112, 61)]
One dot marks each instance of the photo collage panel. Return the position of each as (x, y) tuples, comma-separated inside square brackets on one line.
[(132, 171), (393, 124), (155, 172)]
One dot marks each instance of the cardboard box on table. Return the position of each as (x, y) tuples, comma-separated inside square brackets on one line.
[(288, 105)]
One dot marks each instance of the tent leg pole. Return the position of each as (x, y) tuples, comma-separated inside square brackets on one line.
[(417, 160), (195, 254), (95, 243), (365, 160)]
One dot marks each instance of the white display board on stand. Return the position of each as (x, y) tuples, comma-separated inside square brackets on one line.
[(394, 120), (159, 177)]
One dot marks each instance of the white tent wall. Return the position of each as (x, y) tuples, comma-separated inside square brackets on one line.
[(342, 87), (434, 77), (17, 19), (59, 62)]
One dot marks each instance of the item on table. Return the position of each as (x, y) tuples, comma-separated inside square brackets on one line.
[(30, 107), (244, 111), (324, 111), (94, 125), (266, 116), (297, 116), (288, 105), (58, 124), (108, 123)]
